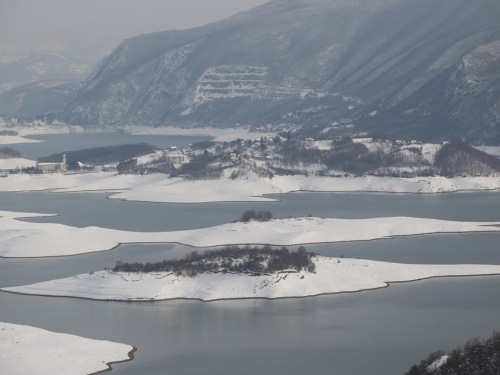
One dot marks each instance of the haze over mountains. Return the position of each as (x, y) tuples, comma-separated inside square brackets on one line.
[(60, 53), (412, 68)]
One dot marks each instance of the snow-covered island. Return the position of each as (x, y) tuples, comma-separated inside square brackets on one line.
[(20, 239), (229, 277), (26, 350)]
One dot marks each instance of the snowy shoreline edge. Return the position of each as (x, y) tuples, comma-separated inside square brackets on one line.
[(387, 285), (109, 364)]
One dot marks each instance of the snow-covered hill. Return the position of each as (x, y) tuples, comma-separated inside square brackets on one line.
[(463, 101)]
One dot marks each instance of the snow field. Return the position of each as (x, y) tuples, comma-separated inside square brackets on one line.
[(27, 350)]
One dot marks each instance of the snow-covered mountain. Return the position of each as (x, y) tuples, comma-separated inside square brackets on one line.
[(464, 101), (61, 53), (299, 62)]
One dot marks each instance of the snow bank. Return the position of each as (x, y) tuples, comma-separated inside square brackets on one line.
[(253, 188), (47, 129), (74, 182), (161, 188), (429, 150), (492, 150), (319, 145), (438, 363), (24, 239), (374, 145), (332, 276), (13, 139), (14, 163), (149, 158), (178, 190), (28, 350)]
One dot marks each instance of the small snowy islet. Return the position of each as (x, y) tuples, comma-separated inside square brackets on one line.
[(332, 275)]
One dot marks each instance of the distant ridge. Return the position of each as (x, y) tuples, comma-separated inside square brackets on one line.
[(401, 66)]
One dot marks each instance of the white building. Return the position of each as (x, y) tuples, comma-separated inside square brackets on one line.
[(175, 158), (53, 167)]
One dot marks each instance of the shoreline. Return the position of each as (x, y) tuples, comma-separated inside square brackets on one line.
[(387, 285), (109, 364), (271, 200), (267, 197), (111, 192)]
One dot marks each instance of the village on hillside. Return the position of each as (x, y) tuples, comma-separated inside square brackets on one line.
[(267, 156)]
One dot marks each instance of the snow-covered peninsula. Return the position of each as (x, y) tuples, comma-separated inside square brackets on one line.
[(332, 276), (25, 239), (28, 350), (251, 188)]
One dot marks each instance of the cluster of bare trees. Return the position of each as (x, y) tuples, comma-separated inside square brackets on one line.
[(294, 157), (477, 357), (200, 167), (131, 167), (250, 215), (234, 259), (409, 157), (208, 173), (9, 153), (28, 170), (458, 158), (454, 158)]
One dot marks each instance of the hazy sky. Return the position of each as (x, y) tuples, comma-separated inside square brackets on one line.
[(21, 17)]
